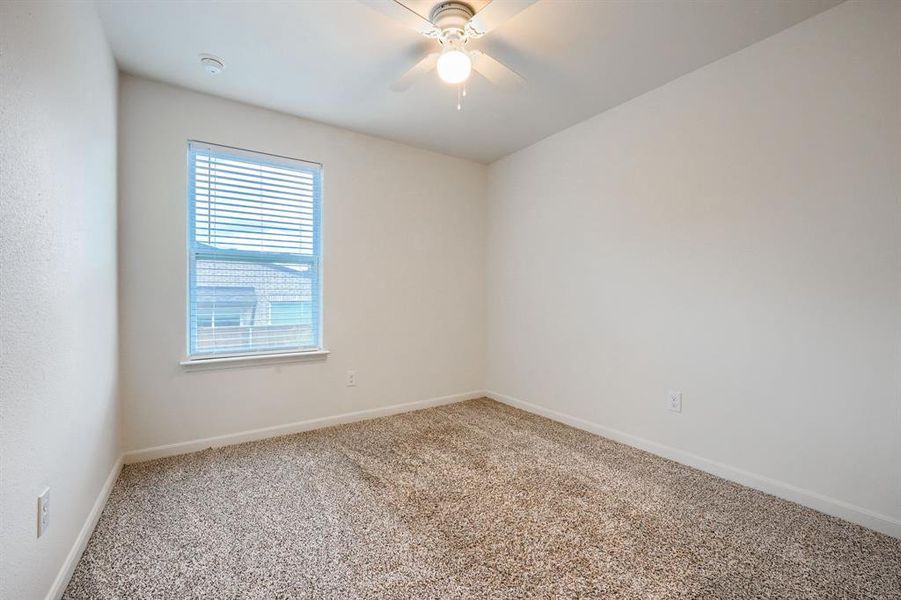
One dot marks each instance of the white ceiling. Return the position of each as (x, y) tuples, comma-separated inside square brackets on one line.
[(333, 60)]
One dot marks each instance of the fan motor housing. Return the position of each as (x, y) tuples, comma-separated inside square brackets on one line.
[(451, 16)]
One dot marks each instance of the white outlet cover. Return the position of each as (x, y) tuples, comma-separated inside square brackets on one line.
[(43, 512), (351, 378), (674, 401)]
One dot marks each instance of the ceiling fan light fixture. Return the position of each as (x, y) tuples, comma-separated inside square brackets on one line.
[(454, 65)]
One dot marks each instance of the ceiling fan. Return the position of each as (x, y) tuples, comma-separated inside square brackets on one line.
[(452, 24)]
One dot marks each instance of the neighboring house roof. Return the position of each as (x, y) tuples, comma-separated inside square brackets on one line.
[(271, 266), (229, 295)]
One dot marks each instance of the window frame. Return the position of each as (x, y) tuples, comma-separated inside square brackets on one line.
[(315, 259)]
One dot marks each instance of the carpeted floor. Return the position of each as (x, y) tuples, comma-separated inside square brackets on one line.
[(471, 500)]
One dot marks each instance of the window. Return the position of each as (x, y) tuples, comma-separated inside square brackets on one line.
[(254, 253)]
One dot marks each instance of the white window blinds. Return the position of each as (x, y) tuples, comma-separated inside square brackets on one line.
[(254, 253)]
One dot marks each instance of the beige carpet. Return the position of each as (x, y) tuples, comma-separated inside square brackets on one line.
[(472, 500)]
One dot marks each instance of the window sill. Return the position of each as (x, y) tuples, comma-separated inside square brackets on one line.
[(248, 360)]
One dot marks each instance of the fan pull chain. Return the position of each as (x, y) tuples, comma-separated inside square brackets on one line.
[(461, 93)]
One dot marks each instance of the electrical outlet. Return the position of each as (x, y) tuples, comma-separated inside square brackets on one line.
[(351, 378), (43, 512), (674, 401)]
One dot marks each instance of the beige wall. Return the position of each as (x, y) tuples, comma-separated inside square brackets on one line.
[(734, 235), (57, 283), (403, 272)]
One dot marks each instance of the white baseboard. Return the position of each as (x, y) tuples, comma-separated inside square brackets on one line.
[(240, 437), (824, 504), (81, 542)]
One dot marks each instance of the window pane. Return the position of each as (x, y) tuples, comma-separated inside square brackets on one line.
[(252, 306), (254, 253), (290, 312)]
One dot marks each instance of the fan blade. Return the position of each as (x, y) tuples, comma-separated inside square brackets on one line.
[(495, 71), (496, 13), (424, 66), (402, 14)]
